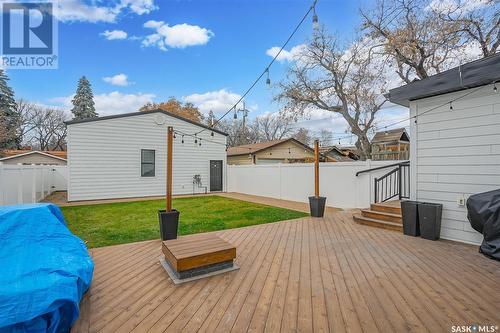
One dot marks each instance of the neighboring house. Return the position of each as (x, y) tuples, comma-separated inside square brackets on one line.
[(33, 157), (455, 149), (125, 156), (392, 144), (337, 154), (272, 152)]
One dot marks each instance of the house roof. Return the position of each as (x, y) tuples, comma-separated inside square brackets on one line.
[(473, 74), (256, 147), (343, 156), (10, 154), (397, 134), (132, 114)]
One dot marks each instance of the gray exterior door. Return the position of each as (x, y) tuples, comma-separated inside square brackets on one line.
[(215, 176)]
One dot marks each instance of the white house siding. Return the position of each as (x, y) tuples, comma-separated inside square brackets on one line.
[(104, 157), (456, 153)]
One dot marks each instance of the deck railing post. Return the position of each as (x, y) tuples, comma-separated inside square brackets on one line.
[(376, 190), (399, 181)]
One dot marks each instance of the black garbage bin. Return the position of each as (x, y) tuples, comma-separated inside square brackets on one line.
[(169, 223), (429, 218), (409, 211)]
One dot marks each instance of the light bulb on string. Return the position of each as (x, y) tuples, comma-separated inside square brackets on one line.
[(268, 80), (235, 114), (200, 143), (212, 133), (195, 139), (315, 17), (182, 141), (495, 87)]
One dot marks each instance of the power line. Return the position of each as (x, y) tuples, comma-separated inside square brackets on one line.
[(266, 70)]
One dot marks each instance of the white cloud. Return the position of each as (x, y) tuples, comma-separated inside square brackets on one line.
[(292, 55), (114, 34), (140, 7), (90, 11), (218, 101), (112, 103), (176, 36), (117, 80)]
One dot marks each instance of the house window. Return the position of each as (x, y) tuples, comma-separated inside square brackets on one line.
[(147, 163)]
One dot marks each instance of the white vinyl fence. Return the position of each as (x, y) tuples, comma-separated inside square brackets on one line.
[(338, 181), (30, 183)]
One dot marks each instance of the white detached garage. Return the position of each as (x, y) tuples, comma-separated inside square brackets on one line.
[(455, 131), (124, 156)]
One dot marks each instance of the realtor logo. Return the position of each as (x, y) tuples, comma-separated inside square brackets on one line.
[(29, 35)]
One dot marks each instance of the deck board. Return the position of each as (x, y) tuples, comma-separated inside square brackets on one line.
[(301, 275)]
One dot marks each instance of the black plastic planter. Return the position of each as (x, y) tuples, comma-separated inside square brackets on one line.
[(409, 211), (429, 217), (317, 206), (169, 223)]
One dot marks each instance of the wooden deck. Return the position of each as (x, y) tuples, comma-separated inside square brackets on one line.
[(303, 275)]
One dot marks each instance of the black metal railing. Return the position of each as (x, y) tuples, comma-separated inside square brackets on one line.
[(394, 184)]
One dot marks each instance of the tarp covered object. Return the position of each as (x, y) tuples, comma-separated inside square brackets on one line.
[(44, 270), (484, 216)]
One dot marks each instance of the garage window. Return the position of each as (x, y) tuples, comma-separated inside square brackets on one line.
[(147, 163)]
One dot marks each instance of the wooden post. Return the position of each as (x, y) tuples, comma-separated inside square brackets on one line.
[(316, 168), (170, 143)]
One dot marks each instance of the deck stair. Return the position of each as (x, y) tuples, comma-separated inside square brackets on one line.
[(386, 215)]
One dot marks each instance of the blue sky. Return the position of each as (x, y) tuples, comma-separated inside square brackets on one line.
[(203, 51)]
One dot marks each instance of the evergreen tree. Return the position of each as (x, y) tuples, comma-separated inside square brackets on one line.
[(83, 102), (9, 116)]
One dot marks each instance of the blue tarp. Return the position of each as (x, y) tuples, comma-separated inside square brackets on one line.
[(44, 270)]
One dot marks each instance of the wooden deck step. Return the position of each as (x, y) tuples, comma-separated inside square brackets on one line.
[(383, 216), (358, 218), (393, 207)]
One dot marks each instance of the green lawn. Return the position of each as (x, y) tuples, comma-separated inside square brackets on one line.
[(117, 223)]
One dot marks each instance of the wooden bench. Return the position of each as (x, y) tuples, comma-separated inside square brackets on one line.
[(196, 255)]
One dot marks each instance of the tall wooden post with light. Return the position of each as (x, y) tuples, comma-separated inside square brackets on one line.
[(169, 218), (316, 203)]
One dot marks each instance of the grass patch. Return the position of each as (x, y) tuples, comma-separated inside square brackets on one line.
[(126, 222)]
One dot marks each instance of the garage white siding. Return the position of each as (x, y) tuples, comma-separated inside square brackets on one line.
[(104, 157), (456, 153)]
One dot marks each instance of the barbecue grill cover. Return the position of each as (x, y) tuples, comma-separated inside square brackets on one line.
[(484, 216)]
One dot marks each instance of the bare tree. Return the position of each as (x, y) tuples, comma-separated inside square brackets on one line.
[(45, 128), (474, 20), (237, 134), (273, 126), (303, 135), (325, 137), (339, 80), (424, 37)]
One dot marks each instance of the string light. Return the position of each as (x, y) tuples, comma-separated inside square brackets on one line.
[(495, 87), (268, 80), (294, 31), (182, 141), (315, 16), (195, 139), (451, 106), (235, 114), (200, 142), (212, 133)]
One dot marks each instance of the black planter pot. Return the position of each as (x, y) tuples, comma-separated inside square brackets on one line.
[(169, 223), (317, 206), (429, 217), (409, 211)]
